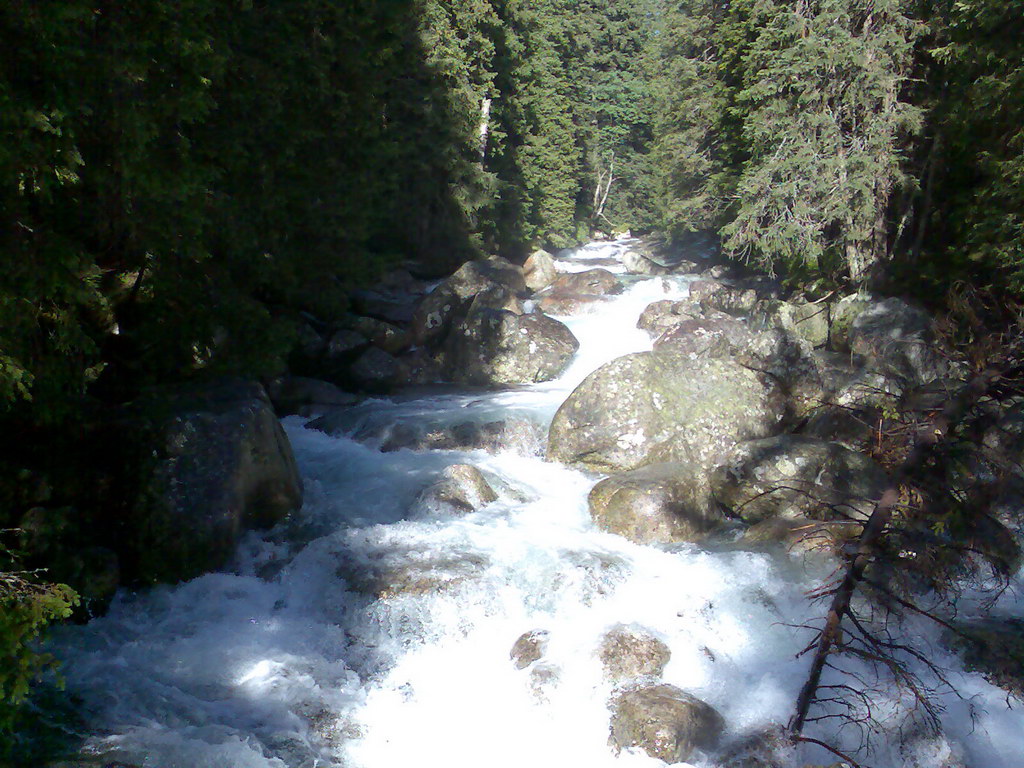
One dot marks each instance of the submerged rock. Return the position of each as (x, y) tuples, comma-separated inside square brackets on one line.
[(664, 721), (659, 503), (628, 652), (652, 407), (301, 395), (461, 488), (529, 647)]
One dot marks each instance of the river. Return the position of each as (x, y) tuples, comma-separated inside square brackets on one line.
[(290, 660)]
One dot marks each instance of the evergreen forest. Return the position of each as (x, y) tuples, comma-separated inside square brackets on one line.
[(183, 183)]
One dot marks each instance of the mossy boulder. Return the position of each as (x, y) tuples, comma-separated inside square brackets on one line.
[(654, 407)]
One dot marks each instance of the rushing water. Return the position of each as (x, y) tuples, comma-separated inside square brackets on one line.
[(286, 661)]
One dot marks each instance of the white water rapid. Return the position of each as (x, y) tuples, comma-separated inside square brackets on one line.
[(286, 661)]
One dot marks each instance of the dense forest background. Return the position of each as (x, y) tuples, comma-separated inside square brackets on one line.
[(180, 181)]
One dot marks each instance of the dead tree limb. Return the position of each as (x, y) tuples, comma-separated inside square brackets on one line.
[(927, 441)]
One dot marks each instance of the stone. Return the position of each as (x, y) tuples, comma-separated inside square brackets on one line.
[(663, 315), (434, 316), (730, 299), (462, 488), (664, 721), (302, 395), (842, 315), (564, 303), (497, 347), (473, 277), (382, 306), (800, 535), (387, 336), (210, 461), (375, 370), (629, 652), (637, 263), (899, 340), (397, 572), (529, 647), (539, 270), (345, 344), (653, 407), (719, 337), (656, 504), (794, 476), (809, 322), (591, 282)]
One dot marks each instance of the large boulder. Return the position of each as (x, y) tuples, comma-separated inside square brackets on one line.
[(664, 721), (297, 394), (663, 315), (659, 503), (899, 339), (210, 462), (442, 308), (476, 276), (539, 270), (793, 476), (651, 407), (592, 282), (498, 347), (717, 336), (564, 303)]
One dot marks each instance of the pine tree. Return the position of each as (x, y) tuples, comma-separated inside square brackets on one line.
[(824, 122)]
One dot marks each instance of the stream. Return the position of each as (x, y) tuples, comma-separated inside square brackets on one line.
[(373, 628)]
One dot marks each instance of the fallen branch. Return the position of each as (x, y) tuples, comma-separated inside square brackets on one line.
[(831, 634)]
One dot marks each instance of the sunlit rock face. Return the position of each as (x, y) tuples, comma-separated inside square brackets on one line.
[(666, 722), (651, 407), (659, 503), (495, 347)]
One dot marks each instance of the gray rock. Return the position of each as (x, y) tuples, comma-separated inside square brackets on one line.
[(843, 313), (797, 477), (653, 407), (637, 263), (539, 270), (565, 303), (212, 461), (497, 347), (629, 652), (375, 370), (659, 503), (382, 306), (298, 394), (731, 299), (664, 721), (661, 316), (461, 489), (899, 339), (809, 322), (345, 345), (434, 316), (399, 572), (529, 647), (592, 282), (719, 336)]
